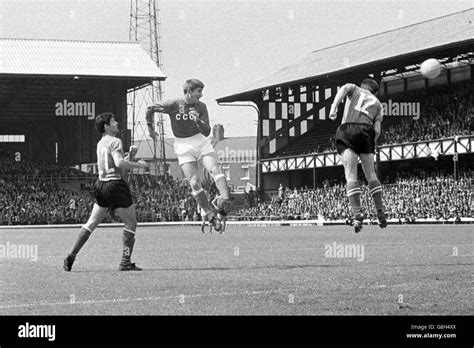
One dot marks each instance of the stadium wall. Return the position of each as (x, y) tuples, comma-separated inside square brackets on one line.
[(248, 223), (51, 114)]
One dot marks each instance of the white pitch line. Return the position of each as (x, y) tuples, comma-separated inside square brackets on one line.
[(372, 245), (257, 292), (135, 299)]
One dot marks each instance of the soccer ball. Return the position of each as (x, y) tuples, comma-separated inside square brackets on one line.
[(430, 68)]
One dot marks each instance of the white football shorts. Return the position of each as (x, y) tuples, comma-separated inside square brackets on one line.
[(193, 148)]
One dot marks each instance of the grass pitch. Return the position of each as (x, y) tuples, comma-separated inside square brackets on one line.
[(405, 270)]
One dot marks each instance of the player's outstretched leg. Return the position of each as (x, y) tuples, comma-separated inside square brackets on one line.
[(201, 197), (222, 214), (96, 217), (353, 193), (211, 164), (349, 160), (127, 215), (191, 171), (203, 218), (375, 187), (221, 184)]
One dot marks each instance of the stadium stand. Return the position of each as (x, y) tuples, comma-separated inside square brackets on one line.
[(33, 193), (414, 195), (29, 169), (446, 111), (411, 197)]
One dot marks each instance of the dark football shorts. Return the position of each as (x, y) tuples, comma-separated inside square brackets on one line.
[(358, 137), (112, 194)]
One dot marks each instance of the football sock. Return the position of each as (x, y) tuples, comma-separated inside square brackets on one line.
[(221, 184), (82, 238), (201, 197), (353, 193), (128, 239), (375, 188)]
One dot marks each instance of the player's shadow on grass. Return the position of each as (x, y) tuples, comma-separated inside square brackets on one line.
[(287, 267), (281, 267)]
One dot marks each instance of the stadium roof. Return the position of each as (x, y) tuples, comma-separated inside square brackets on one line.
[(435, 33), (76, 58)]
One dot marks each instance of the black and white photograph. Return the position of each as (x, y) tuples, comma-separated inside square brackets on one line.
[(200, 165)]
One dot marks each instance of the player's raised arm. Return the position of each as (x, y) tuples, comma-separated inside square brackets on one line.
[(150, 116), (121, 162), (202, 121), (344, 91)]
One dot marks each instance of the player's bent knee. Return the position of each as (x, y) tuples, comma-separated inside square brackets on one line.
[(215, 172), (369, 172), (221, 183), (350, 173), (195, 183), (351, 177), (127, 215), (91, 225), (371, 176), (195, 186), (131, 225)]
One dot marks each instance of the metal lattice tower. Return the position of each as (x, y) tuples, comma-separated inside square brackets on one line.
[(145, 28)]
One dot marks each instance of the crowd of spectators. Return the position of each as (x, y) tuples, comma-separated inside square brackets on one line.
[(25, 169), (444, 114), (410, 197), (44, 202), (252, 198), (41, 202), (28, 195), (425, 195), (166, 199)]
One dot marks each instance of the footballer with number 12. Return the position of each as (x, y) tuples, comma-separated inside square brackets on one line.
[(355, 138), (190, 126)]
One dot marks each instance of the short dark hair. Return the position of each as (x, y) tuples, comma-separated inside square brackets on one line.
[(192, 84), (103, 119), (370, 85)]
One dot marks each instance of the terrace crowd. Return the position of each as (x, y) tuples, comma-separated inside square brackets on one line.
[(409, 198)]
